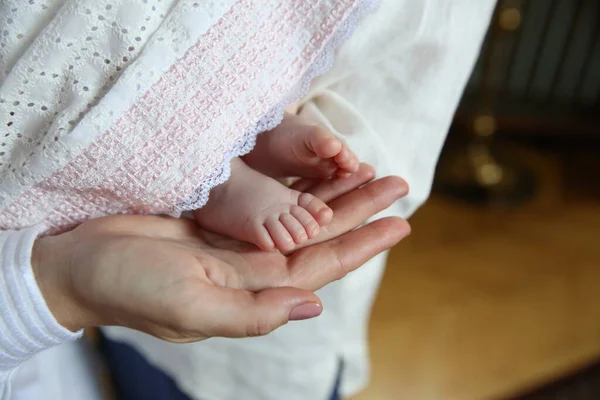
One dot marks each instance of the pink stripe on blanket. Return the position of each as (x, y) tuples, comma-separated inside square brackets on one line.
[(123, 173)]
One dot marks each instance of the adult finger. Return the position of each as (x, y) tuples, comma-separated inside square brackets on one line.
[(316, 266), (354, 208), (330, 189)]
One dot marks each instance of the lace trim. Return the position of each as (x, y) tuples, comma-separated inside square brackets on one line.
[(271, 119)]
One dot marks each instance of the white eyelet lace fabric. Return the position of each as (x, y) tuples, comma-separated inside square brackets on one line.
[(137, 106)]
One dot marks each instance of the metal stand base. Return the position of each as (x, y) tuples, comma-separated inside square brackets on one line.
[(476, 174)]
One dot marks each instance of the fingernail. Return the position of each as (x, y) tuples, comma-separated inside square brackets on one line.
[(305, 311)]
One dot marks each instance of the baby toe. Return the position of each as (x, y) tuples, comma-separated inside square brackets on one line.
[(347, 160), (294, 228), (317, 208), (324, 144), (280, 235), (310, 225), (262, 238)]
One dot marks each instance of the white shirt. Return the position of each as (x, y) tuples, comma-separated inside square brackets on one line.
[(391, 95)]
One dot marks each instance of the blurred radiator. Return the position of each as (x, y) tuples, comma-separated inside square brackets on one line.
[(540, 68)]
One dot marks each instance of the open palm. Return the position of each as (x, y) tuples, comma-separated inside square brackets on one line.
[(172, 279)]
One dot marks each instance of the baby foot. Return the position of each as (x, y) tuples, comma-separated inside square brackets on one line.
[(254, 208), (299, 148)]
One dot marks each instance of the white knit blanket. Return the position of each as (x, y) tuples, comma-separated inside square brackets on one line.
[(137, 106)]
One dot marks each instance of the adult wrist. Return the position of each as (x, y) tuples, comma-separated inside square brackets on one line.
[(51, 268), (27, 324)]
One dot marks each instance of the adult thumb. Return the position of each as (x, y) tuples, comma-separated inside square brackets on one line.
[(228, 312)]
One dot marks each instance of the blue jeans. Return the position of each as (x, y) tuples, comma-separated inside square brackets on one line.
[(136, 379)]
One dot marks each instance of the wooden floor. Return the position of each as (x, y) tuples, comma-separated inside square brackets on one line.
[(481, 304)]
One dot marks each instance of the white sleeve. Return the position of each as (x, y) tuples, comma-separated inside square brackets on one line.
[(26, 324), (395, 85)]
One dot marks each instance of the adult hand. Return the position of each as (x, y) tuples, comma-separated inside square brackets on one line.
[(171, 279)]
